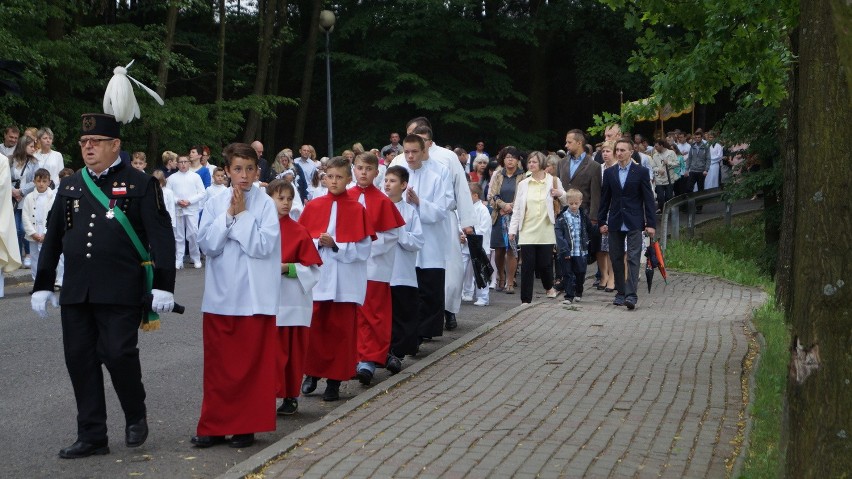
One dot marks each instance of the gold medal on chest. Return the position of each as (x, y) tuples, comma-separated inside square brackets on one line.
[(110, 215)]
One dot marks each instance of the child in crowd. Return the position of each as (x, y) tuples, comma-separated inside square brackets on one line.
[(64, 173), (403, 284), (481, 227), (169, 163), (139, 161), (374, 316), (189, 195), (289, 175), (220, 183), (34, 215), (241, 239), (300, 263), (573, 230), (342, 233), (168, 196)]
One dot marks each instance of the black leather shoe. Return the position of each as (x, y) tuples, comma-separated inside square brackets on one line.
[(309, 385), (206, 441), (84, 449), (364, 376), (450, 322), (239, 441), (332, 390), (393, 364), (135, 434), (288, 407), (618, 301), (630, 304)]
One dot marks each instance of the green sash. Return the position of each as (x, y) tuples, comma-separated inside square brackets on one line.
[(151, 321)]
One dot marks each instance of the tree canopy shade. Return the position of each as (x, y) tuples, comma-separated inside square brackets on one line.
[(519, 71)]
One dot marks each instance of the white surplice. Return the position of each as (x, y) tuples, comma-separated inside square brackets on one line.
[(343, 274), (410, 241)]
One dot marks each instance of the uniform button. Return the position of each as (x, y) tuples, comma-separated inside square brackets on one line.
[(93, 215), (90, 234), (88, 255), (91, 225), (88, 245)]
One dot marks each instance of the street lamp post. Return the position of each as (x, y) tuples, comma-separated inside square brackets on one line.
[(326, 23)]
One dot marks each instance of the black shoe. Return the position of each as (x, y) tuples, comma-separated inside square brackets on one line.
[(203, 442), (596, 284), (393, 364), (288, 407), (135, 434), (309, 385), (450, 322), (239, 441), (84, 449), (630, 304), (618, 301), (363, 375), (332, 390), (609, 290), (559, 286)]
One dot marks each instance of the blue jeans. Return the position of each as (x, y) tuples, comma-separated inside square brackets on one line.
[(573, 275), (23, 244)]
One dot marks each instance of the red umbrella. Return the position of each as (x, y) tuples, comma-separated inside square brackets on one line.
[(654, 258)]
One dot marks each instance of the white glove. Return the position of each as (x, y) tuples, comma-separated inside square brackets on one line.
[(39, 300), (163, 301)]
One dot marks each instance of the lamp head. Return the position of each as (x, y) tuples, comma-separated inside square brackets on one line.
[(326, 20)]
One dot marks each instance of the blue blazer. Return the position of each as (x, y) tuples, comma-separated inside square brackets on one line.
[(633, 205)]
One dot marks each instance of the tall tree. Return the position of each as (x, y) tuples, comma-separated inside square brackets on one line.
[(308, 70), (264, 54), (819, 420), (163, 69)]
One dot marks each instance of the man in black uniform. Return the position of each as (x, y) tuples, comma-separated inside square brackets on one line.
[(104, 295)]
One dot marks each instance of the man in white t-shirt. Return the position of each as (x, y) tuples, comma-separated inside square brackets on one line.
[(10, 141)]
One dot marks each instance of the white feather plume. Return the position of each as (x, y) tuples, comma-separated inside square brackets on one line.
[(119, 99)]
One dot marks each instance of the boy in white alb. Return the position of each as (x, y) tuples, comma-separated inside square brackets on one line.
[(219, 183), (405, 299), (189, 196), (34, 213), (482, 227), (430, 192)]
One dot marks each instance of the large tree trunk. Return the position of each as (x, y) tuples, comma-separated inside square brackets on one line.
[(163, 73), (788, 140), (270, 126), (307, 74), (57, 85), (220, 71), (264, 50), (819, 417)]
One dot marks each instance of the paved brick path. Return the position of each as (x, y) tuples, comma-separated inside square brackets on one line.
[(590, 390)]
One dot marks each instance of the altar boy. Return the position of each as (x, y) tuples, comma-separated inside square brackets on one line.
[(342, 233), (375, 316)]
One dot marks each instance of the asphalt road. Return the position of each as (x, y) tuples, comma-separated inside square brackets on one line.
[(38, 410)]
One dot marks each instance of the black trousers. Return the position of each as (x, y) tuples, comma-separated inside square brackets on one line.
[(405, 302), (574, 275), (95, 335), (664, 193), (536, 258), (430, 287)]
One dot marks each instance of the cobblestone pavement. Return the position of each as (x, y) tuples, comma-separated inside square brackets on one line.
[(587, 390)]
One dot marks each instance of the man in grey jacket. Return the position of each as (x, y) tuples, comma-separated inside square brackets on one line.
[(698, 163)]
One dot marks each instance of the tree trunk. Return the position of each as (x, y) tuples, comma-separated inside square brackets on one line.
[(540, 82), (57, 85), (788, 141), (307, 74), (267, 24), (163, 72), (270, 126), (819, 416)]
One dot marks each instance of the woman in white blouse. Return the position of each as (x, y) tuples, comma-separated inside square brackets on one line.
[(533, 225)]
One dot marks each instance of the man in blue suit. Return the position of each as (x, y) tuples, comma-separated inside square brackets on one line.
[(627, 207)]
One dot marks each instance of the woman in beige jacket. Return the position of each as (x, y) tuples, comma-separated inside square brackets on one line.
[(536, 206)]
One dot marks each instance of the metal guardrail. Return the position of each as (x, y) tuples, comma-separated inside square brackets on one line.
[(672, 208)]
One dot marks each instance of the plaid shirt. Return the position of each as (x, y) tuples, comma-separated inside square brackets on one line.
[(575, 225)]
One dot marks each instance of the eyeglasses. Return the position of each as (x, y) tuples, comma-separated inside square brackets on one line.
[(93, 141)]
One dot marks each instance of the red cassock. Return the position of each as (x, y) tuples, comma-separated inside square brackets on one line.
[(239, 376), (331, 348), (375, 316), (296, 247)]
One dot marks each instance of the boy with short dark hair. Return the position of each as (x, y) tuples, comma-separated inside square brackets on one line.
[(405, 298), (342, 233), (34, 213)]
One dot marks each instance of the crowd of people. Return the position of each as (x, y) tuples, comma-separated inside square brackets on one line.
[(325, 268)]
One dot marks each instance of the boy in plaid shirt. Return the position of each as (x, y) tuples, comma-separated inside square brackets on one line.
[(572, 241)]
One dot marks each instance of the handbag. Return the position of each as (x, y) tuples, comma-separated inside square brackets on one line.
[(557, 206)]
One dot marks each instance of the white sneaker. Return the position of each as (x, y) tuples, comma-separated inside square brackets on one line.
[(178, 264), (480, 302), (197, 264), (566, 301), (467, 298), (28, 262)]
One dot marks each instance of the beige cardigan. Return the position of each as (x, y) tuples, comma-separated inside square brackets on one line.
[(520, 206)]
